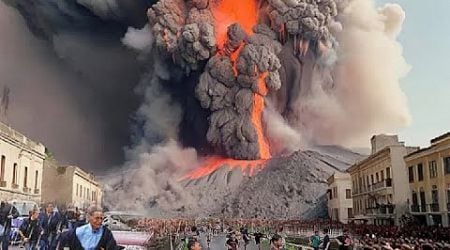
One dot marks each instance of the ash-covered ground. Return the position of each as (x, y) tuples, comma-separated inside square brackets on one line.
[(288, 187)]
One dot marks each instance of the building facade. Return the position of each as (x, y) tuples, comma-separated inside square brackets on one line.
[(429, 179), (340, 204), (380, 183), (70, 186), (21, 166)]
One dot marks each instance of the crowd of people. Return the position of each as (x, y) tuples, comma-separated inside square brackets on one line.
[(51, 228)]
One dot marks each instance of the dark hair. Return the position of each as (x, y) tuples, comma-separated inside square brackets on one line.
[(275, 237), (191, 243)]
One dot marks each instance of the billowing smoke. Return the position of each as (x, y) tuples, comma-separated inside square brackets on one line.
[(243, 79)]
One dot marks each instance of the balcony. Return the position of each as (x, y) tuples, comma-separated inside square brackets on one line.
[(15, 186), (385, 209), (26, 190), (2, 183), (434, 207), (36, 191)]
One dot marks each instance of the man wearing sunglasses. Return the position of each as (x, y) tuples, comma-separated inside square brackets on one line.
[(92, 235)]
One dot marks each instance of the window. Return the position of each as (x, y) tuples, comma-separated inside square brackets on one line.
[(14, 178), (447, 165), (36, 174), (335, 193), (350, 212), (371, 177), (2, 169), (25, 177), (433, 169), (411, 174), (415, 201), (434, 197), (420, 171), (448, 196), (348, 193), (382, 175), (377, 177), (76, 192), (388, 173)]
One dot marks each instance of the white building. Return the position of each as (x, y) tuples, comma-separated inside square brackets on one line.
[(70, 186), (340, 203), (21, 166), (380, 188)]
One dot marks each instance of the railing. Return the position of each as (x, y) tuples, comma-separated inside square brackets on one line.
[(36, 191), (2, 183), (15, 186), (416, 208), (378, 185)]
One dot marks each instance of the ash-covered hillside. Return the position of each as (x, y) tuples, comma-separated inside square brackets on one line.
[(293, 186)]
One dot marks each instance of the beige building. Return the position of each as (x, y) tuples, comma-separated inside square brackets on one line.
[(70, 186), (21, 166), (380, 183), (429, 179), (340, 204)]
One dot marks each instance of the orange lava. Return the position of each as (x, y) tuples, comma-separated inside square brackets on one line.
[(257, 109), (213, 163), (227, 12)]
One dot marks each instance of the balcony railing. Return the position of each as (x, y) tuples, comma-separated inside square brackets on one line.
[(36, 191), (26, 190), (381, 209), (15, 186), (2, 183)]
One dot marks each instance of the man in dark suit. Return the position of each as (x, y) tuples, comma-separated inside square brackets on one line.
[(51, 221)]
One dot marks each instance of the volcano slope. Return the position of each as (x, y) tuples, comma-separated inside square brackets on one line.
[(293, 186)]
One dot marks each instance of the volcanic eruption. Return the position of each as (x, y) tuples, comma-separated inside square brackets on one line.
[(222, 82), (237, 48)]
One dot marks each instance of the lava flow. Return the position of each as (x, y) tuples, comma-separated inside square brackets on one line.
[(213, 163)]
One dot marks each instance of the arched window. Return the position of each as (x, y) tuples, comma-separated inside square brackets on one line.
[(14, 177), (2, 168), (25, 177)]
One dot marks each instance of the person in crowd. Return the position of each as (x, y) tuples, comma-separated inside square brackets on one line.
[(194, 244), (30, 230), (326, 240), (258, 236), (52, 222), (7, 213), (314, 241), (245, 237), (232, 242), (276, 242), (90, 236)]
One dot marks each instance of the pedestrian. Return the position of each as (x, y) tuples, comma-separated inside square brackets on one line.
[(258, 236), (232, 243), (7, 213), (51, 221), (90, 236), (326, 240), (30, 230), (193, 244), (314, 241), (276, 242)]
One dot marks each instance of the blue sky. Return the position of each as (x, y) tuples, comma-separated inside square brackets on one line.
[(426, 43)]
